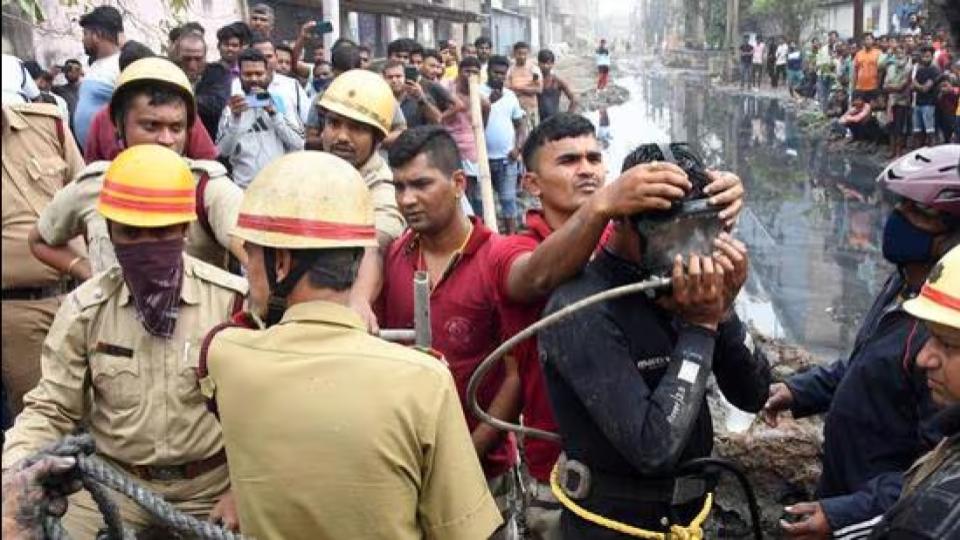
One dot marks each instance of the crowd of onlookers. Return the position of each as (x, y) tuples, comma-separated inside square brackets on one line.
[(900, 90), (429, 83)]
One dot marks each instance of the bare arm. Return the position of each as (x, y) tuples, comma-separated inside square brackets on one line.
[(302, 68), (60, 257), (571, 97), (369, 281)]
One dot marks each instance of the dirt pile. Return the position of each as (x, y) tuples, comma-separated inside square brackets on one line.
[(580, 72), (781, 463)]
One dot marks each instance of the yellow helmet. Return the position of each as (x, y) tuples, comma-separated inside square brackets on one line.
[(363, 96), (307, 200), (154, 71), (939, 299), (148, 186)]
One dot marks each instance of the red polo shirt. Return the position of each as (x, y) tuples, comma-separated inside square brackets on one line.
[(102, 143), (469, 314), (540, 454)]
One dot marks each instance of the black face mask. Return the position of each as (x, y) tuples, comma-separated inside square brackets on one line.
[(153, 272), (321, 84)]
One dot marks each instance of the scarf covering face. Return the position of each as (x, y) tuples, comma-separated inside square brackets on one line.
[(153, 272)]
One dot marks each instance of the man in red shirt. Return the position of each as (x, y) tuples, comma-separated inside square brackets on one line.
[(485, 286), (103, 142)]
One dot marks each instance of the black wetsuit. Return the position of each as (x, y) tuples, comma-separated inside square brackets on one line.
[(627, 382)]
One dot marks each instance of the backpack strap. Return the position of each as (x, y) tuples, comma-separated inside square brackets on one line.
[(238, 319)]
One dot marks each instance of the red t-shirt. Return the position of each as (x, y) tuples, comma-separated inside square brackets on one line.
[(537, 413), (102, 143), (469, 315)]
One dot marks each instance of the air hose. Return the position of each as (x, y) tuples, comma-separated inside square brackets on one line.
[(693, 465)]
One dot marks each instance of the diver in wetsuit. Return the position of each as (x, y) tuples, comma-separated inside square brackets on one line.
[(627, 377)]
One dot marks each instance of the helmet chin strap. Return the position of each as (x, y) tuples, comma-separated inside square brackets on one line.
[(280, 290)]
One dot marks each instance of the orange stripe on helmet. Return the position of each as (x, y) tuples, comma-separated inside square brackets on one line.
[(146, 191), (148, 207), (940, 297), (307, 227)]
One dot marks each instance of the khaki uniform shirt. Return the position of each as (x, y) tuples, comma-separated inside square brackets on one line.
[(372, 440), (137, 393), (35, 166), (379, 178), (73, 211)]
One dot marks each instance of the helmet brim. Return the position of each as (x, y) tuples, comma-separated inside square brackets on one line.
[(925, 309)]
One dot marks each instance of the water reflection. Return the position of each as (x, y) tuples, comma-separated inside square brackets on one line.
[(814, 217)]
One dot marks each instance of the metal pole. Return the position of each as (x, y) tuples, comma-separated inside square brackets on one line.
[(421, 310)]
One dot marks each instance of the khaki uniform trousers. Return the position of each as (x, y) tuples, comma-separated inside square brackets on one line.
[(24, 326), (196, 497)]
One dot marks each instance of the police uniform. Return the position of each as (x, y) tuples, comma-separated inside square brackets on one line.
[(379, 179), (39, 158), (370, 432), (73, 211), (137, 394)]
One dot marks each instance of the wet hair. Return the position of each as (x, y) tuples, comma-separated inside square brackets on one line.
[(498, 60), (683, 157), (521, 45), (398, 46), (331, 268), (546, 56), (345, 57), (481, 41), (133, 51), (470, 61), (562, 125), (238, 30), (251, 55), (433, 141)]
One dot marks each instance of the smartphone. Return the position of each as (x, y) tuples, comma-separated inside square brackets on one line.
[(258, 100), (411, 73), (323, 27), (536, 76)]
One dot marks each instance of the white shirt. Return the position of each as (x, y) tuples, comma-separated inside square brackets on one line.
[(500, 131), (758, 51), (782, 52), (286, 88)]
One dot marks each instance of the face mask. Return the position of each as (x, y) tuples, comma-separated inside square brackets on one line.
[(153, 272), (904, 243), (321, 84)]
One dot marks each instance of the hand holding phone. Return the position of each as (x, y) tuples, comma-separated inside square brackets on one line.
[(411, 73), (258, 100), (323, 27)]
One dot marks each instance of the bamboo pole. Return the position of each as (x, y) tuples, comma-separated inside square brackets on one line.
[(483, 178)]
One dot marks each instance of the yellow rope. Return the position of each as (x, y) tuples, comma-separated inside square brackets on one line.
[(694, 531)]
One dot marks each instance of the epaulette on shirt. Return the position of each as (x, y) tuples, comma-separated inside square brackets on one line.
[(41, 109), (98, 289), (93, 170), (213, 169), (217, 276)]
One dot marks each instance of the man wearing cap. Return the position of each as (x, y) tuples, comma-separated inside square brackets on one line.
[(358, 108), (379, 425), (929, 506), (39, 158), (101, 41), (122, 353), (153, 104)]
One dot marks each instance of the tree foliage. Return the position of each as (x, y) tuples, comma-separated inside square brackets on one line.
[(791, 16)]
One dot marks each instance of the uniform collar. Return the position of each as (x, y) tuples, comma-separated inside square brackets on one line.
[(323, 312), (189, 290), (373, 166)]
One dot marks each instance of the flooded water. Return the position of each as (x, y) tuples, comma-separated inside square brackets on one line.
[(814, 218)]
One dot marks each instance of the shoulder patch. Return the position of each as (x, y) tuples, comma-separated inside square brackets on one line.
[(217, 276), (213, 169), (98, 289), (41, 109), (93, 170)]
